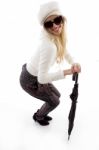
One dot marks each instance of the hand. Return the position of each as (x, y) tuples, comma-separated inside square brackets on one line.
[(76, 68)]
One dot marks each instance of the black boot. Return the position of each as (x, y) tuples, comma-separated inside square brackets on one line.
[(48, 118), (42, 122)]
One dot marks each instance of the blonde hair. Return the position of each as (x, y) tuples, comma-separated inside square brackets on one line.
[(60, 42)]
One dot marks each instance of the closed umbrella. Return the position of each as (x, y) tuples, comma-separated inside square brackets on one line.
[(73, 96)]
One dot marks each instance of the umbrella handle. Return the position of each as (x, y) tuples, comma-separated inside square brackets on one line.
[(75, 77)]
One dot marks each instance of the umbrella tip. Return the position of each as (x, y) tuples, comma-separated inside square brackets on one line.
[(68, 137)]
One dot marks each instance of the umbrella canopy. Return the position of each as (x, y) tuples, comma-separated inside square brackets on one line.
[(73, 96)]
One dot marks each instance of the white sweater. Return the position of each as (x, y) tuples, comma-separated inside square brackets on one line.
[(42, 60)]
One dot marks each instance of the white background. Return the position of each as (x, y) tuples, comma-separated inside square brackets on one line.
[(18, 30)]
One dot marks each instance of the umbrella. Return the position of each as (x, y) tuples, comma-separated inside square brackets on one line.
[(73, 96)]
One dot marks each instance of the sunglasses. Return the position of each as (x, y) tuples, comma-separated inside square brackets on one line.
[(49, 24)]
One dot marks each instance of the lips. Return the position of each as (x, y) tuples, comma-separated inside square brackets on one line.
[(56, 29)]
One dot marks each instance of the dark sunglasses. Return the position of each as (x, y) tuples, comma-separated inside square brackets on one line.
[(58, 20)]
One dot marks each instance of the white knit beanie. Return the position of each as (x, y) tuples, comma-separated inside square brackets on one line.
[(48, 9)]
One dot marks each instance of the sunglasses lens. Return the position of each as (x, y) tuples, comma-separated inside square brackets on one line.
[(48, 24), (58, 20)]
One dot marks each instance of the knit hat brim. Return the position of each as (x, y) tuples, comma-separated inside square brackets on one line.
[(51, 14)]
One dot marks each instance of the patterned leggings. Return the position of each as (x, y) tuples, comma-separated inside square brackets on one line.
[(45, 92)]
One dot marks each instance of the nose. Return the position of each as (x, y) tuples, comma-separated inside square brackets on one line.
[(55, 25)]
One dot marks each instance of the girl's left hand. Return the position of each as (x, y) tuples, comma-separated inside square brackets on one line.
[(76, 68)]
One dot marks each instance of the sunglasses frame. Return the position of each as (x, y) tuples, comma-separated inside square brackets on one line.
[(49, 24)]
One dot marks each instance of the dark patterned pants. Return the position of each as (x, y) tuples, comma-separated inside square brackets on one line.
[(45, 92)]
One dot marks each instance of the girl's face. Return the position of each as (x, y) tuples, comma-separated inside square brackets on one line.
[(54, 24)]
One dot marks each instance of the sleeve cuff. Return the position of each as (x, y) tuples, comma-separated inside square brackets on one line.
[(62, 74)]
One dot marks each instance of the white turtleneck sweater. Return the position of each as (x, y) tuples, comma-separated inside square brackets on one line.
[(43, 59)]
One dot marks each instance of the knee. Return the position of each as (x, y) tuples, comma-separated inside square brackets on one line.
[(55, 103), (58, 102)]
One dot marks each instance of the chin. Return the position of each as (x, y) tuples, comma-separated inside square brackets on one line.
[(57, 33)]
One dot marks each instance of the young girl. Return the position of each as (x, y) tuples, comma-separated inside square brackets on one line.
[(35, 78)]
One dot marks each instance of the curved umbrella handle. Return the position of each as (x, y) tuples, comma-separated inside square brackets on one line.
[(75, 77)]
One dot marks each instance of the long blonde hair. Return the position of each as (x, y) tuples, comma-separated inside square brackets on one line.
[(60, 42)]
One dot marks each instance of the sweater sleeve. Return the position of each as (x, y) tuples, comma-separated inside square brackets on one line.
[(69, 58), (47, 56)]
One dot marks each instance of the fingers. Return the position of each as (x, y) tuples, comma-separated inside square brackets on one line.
[(76, 68)]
